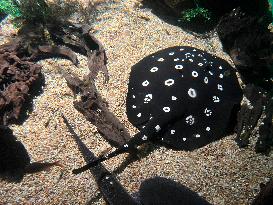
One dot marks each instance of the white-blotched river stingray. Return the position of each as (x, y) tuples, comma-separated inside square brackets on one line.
[(182, 97)]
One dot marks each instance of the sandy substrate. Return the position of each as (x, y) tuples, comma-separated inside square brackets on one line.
[(220, 172)]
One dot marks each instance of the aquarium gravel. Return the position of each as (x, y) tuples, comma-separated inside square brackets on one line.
[(221, 172)]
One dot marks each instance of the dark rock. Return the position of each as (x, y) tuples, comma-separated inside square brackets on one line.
[(258, 107), (265, 197), (249, 43), (222, 7)]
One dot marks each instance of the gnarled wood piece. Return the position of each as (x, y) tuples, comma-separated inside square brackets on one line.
[(91, 105), (97, 59), (95, 109)]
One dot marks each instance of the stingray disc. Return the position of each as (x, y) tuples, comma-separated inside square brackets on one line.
[(193, 92)]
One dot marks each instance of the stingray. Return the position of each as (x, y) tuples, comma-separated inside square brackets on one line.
[(181, 97)]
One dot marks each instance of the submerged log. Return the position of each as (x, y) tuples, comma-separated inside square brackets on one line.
[(92, 105)]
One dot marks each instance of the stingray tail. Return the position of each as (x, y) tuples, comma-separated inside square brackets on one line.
[(140, 138), (99, 160), (129, 147)]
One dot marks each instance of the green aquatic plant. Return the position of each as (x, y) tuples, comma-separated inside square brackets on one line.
[(9, 7), (191, 14), (42, 12)]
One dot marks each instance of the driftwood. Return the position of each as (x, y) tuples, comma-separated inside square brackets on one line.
[(95, 109), (19, 75), (17, 78), (91, 105)]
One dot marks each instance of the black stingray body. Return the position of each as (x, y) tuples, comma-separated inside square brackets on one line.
[(190, 93), (182, 97)]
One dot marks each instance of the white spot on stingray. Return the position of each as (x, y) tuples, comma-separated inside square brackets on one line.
[(133, 96), (206, 80), (166, 109), (172, 132), (171, 53), (220, 67), (133, 106), (221, 75), (157, 128), (208, 128), (220, 87), (169, 82), (178, 67), (145, 83), (139, 114), (181, 49), (207, 112), (194, 74), (215, 99), (184, 139), (176, 59), (148, 98), (111, 183), (192, 93), (194, 50), (211, 73), (190, 60), (200, 55), (182, 76), (154, 69), (160, 59), (200, 64), (126, 145), (190, 120), (174, 98), (144, 137), (107, 177), (197, 136), (183, 59)]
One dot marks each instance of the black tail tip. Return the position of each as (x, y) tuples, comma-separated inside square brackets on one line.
[(80, 170)]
